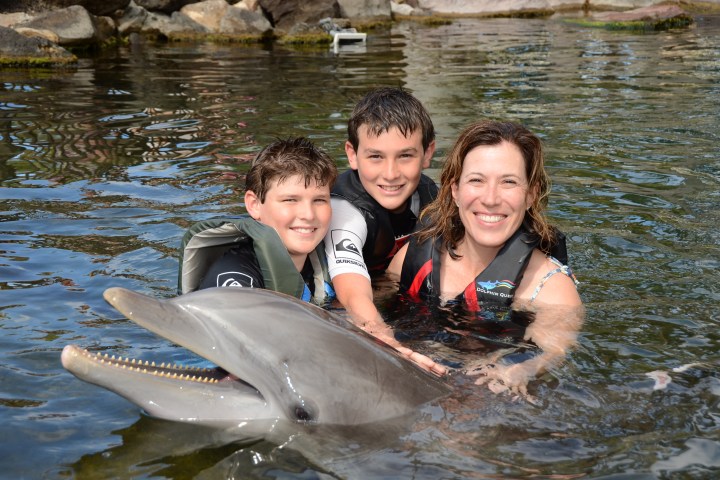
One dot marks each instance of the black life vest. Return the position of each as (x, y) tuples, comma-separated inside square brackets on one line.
[(206, 241), (380, 243), (496, 285)]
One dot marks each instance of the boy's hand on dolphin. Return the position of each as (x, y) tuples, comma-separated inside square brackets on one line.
[(382, 331), (421, 360)]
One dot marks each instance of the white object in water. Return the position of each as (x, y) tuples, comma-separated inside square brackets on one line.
[(347, 37), (662, 379)]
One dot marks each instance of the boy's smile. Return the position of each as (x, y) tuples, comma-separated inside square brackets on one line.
[(389, 165), (299, 214)]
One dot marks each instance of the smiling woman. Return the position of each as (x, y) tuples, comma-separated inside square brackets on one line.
[(487, 238), (487, 242)]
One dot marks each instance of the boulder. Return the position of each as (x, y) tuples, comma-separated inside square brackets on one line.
[(241, 20), (493, 7), (136, 19), (12, 19), (359, 9), (286, 14), (95, 7), (403, 9), (217, 16), (73, 26), (164, 6), (17, 49), (655, 17), (646, 14)]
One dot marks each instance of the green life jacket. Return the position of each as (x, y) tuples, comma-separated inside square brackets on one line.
[(206, 241)]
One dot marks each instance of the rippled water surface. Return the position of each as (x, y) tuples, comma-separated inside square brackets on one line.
[(103, 167)]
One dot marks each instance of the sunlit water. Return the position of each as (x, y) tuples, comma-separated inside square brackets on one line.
[(105, 165)]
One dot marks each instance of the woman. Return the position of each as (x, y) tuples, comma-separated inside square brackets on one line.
[(487, 242)]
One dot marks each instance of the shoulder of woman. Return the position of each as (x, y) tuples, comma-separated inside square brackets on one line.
[(548, 282)]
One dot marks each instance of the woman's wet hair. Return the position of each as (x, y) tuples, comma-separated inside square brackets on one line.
[(442, 216)]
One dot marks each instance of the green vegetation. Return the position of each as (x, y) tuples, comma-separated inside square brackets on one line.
[(680, 21), (36, 62)]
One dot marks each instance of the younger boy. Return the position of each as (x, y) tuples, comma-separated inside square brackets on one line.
[(278, 246), (376, 203)]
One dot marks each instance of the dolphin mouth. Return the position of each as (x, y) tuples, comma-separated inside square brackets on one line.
[(209, 396), (72, 356)]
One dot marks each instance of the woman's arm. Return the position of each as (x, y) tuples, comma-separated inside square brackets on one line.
[(549, 291)]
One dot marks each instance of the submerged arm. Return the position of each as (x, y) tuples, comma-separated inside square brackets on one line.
[(552, 295)]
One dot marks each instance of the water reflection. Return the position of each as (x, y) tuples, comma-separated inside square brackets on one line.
[(102, 168)]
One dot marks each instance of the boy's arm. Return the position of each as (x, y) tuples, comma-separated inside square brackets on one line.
[(355, 293), (357, 298), (343, 247), (351, 281)]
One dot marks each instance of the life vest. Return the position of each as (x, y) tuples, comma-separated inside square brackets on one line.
[(496, 285), (206, 241), (380, 243)]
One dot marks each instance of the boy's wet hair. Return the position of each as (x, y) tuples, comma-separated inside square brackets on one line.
[(388, 107), (285, 158)]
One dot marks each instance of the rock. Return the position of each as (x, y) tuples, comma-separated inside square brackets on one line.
[(359, 9), (73, 26), (241, 20), (403, 9), (164, 6), (48, 35), (208, 13), (217, 16), (17, 49), (137, 20), (645, 14), (286, 14), (655, 17), (12, 19), (132, 20), (95, 7), (493, 7)]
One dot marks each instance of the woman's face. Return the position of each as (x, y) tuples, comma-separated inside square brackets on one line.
[(492, 194)]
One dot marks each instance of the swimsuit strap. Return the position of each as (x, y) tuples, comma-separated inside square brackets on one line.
[(564, 269)]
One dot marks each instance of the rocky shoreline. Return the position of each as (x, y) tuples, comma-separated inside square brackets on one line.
[(47, 32)]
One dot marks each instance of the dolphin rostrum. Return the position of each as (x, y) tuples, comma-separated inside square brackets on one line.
[(289, 362)]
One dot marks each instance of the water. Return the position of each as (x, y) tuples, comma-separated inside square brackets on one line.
[(104, 166)]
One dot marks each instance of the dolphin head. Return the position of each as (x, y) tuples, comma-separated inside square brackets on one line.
[(288, 361)]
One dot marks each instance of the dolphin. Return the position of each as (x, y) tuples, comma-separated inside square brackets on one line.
[(289, 363)]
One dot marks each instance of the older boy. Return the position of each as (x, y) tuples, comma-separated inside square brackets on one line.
[(391, 139), (279, 246)]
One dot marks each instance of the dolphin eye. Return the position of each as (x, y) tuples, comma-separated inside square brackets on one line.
[(303, 413)]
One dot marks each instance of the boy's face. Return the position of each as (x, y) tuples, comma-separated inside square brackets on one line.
[(389, 165), (299, 214)]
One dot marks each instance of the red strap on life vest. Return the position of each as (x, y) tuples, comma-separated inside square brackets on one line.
[(414, 290), (471, 300)]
